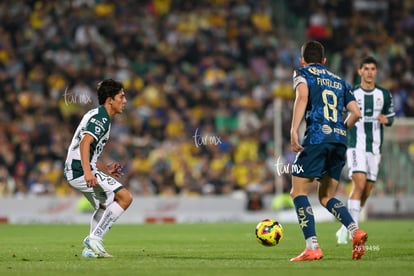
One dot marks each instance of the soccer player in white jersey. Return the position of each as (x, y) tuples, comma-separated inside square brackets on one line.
[(91, 177), (365, 139)]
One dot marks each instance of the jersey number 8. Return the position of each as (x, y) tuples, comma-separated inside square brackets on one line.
[(329, 110)]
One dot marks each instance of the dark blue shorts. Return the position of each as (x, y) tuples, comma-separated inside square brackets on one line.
[(317, 161)]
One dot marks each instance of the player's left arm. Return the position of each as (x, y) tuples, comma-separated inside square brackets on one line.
[(84, 148), (299, 109), (387, 114)]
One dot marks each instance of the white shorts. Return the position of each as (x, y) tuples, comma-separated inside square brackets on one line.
[(360, 161), (103, 193)]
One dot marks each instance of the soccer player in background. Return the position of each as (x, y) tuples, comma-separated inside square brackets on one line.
[(91, 177), (365, 139), (321, 97)]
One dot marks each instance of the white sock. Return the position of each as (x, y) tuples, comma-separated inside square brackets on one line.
[(97, 215), (352, 228), (354, 207), (111, 214), (312, 243)]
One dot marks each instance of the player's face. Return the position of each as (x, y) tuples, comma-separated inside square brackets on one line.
[(368, 72), (119, 102)]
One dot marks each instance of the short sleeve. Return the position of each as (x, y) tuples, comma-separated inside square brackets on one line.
[(349, 94), (298, 78), (95, 128)]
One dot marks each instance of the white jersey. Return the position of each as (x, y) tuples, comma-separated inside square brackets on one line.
[(367, 134), (97, 123)]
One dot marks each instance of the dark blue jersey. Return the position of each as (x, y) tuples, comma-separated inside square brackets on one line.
[(328, 97)]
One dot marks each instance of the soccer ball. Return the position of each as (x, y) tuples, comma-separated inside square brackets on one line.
[(269, 232)]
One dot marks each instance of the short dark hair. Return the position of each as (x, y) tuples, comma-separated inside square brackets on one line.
[(313, 52), (368, 60), (108, 89)]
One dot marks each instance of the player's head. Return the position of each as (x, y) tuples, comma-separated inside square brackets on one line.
[(368, 60), (108, 88), (313, 52), (368, 70)]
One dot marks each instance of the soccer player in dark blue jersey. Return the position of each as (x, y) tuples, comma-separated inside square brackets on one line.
[(321, 98)]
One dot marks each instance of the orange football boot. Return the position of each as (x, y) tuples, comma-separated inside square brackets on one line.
[(358, 244), (309, 255)]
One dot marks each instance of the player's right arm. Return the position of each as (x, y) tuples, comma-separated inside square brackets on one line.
[(84, 148), (353, 108)]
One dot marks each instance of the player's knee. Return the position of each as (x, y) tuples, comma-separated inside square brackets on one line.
[(127, 200), (123, 198), (357, 192)]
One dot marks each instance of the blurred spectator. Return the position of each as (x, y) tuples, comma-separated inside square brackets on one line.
[(7, 185), (408, 106), (254, 200)]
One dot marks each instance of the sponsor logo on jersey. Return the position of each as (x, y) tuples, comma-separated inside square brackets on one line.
[(326, 129), (110, 181), (340, 131), (97, 130), (378, 104), (97, 122)]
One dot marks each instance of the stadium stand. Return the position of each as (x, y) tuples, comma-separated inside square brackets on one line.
[(201, 77)]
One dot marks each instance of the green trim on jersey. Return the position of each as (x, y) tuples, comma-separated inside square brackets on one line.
[(368, 105), (118, 189), (77, 168), (368, 112), (368, 136)]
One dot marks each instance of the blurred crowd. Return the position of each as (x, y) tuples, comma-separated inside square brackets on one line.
[(201, 78)]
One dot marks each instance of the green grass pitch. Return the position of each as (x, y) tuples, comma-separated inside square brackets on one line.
[(201, 249)]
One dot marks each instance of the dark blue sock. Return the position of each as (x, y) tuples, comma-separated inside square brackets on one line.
[(305, 216), (338, 209)]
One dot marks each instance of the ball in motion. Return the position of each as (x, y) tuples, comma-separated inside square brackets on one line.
[(269, 232)]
